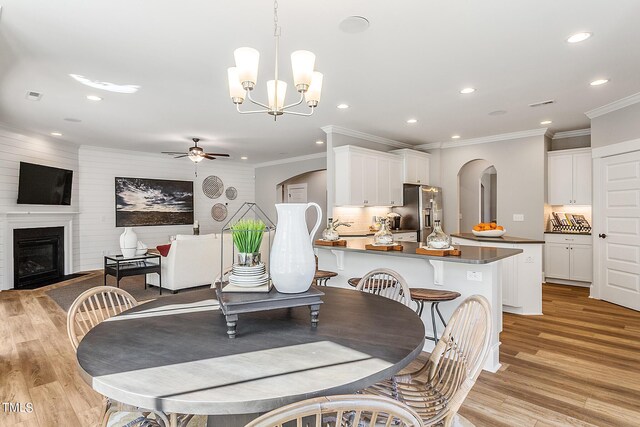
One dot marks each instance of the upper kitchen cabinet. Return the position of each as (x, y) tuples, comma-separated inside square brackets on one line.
[(569, 178), (367, 177), (415, 166)]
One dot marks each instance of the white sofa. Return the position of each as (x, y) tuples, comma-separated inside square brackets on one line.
[(195, 261)]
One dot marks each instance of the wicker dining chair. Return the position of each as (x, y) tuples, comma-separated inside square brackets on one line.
[(341, 411), (437, 390), (90, 308), (386, 283)]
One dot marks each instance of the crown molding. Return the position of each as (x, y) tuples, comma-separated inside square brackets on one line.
[(571, 133), (365, 136), (291, 160), (486, 139), (613, 106)]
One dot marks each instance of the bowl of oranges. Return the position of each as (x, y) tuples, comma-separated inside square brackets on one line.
[(488, 229)]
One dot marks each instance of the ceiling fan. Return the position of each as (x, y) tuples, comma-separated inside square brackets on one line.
[(195, 153)]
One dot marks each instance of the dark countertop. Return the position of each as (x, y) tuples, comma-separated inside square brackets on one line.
[(470, 254), (370, 233), (503, 239), (568, 232)]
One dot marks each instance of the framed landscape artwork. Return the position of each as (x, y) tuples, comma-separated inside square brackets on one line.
[(142, 201)]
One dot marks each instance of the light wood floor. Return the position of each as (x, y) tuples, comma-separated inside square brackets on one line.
[(578, 365)]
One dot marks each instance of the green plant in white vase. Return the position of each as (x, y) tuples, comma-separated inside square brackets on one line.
[(247, 237)]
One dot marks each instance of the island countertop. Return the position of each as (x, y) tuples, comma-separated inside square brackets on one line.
[(503, 239), (469, 254)]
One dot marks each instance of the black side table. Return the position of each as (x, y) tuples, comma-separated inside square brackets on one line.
[(119, 267)]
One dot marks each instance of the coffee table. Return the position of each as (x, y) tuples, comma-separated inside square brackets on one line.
[(120, 266)]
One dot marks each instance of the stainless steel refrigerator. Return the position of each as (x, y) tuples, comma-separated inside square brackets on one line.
[(422, 206)]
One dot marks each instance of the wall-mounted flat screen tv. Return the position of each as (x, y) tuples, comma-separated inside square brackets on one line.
[(44, 185), (142, 201)]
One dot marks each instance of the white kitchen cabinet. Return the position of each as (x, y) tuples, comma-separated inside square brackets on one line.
[(415, 166), (569, 177), (568, 257), (366, 177), (521, 275)]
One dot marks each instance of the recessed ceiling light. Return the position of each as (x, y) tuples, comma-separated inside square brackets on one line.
[(412, 121), (93, 98), (455, 137), (467, 90), (319, 142), (111, 87), (354, 24), (546, 122), (579, 37), (56, 134), (343, 106), (243, 158), (599, 82)]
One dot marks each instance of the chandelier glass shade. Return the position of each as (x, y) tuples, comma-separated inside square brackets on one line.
[(244, 76)]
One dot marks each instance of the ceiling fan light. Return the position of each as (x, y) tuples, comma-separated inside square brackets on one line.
[(195, 158), (312, 96), (236, 92), (247, 60), (271, 93), (302, 63)]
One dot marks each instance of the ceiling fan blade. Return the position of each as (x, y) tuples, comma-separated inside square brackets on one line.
[(181, 156), (172, 152), (208, 156), (217, 154)]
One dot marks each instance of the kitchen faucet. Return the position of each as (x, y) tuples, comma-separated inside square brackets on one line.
[(335, 224)]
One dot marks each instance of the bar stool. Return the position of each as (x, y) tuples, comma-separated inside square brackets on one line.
[(355, 280), (321, 277), (435, 297)]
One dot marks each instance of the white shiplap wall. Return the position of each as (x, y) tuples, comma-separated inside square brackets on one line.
[(100, 166), (15, 148)]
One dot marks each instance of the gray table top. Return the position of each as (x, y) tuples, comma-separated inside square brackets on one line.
[(469, 255), (173, 354)]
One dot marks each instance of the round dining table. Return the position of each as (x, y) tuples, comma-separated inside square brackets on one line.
[(173, 354)]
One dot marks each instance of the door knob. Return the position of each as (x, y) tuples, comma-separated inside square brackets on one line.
[(602, 236)]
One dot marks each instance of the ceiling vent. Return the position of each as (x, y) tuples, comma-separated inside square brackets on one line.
[(541, 103), (33, 95)]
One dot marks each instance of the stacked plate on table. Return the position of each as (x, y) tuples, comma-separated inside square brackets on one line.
[(248, 277)]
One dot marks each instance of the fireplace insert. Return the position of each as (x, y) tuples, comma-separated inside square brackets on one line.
[(38, 256)]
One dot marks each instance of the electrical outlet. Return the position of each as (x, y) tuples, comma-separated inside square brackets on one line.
[(475, 276), (518, 217)]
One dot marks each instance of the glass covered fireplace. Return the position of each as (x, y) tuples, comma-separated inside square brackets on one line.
[(38, 256)]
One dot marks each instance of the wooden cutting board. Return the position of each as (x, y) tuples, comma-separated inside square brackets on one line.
[(438, 252), (331, 242), (383, 248)]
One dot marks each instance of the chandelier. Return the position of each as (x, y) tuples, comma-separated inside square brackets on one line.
[(243, 77)]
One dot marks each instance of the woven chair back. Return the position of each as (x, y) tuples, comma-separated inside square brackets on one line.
[(342, 411), (94, 306)]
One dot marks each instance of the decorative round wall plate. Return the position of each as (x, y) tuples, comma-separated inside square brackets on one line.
[(212, 186), (219, 212), (231, 193)]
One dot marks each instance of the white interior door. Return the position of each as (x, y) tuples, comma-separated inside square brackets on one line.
[(620, 235), (297, 193)]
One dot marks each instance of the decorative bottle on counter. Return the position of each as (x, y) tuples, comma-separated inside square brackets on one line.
[(383, 236), (438, 239), (330, 233)]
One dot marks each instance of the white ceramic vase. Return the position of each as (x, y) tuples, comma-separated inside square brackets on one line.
[(128, 242), (292, 261)]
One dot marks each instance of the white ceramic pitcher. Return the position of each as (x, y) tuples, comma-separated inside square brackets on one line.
[(292, 261)]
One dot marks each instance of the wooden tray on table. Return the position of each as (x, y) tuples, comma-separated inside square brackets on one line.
[(438, 252), (383, 247), (331, 242)]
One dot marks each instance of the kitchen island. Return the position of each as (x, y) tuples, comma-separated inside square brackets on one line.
[(522, 274), (476, 271)]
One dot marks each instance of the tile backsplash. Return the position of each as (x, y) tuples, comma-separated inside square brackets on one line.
[(362, 218)]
